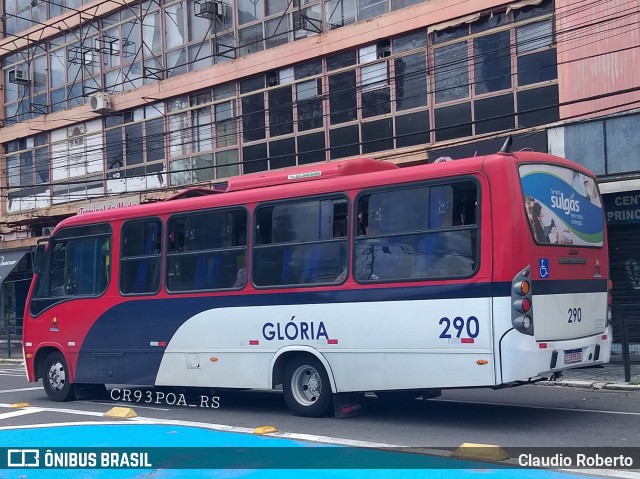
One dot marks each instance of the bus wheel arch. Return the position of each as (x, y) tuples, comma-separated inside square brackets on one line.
[(39, 358), (56, 376), (307, 382)]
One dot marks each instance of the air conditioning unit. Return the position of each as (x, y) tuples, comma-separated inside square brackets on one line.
[(100, 103), (18, 76), (211, 9), (47, 230)]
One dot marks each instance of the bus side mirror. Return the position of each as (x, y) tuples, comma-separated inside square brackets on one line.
[(40, 260)]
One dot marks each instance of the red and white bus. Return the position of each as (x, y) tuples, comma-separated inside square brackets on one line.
[(350, 276)]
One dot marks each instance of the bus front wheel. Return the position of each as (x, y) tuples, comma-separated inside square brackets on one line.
[(55, 378), (306, 387)]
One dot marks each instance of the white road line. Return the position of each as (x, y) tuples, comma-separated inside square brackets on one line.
[(62, 410), (204, 425), (125, 404), (527, 406), (18, 390), (19, 412), (604, 472)]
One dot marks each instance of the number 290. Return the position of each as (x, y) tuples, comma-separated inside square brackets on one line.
[(471, 326)]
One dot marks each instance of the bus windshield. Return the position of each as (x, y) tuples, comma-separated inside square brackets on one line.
[(563, 205)]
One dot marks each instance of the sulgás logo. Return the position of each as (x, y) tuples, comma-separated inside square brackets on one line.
[(568, 205)]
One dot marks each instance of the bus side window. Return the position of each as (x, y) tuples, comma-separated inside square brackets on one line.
[(465, 213), (209, 256), (104, 272), (140, 262), (454, 250), (389, 220), (301, 243)]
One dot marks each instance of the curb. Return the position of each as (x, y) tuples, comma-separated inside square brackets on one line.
[(592, 385)]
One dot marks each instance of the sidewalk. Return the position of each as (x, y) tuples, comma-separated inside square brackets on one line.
[(607, 376)]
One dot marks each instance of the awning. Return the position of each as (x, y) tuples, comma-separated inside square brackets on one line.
[(522, 4), (9, 260), (454, 23)]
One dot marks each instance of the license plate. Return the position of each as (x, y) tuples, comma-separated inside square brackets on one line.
[(573, 356)]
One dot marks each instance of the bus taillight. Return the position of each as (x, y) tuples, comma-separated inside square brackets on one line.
[(521, 303)]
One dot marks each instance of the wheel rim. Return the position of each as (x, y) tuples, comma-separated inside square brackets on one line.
[(57, 376), (306, 385)]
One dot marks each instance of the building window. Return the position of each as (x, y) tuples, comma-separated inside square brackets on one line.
[(342, 97), (492, 62), (451, 72), (136, 146)]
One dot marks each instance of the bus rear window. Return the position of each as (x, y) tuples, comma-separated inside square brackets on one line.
[(563, 206)]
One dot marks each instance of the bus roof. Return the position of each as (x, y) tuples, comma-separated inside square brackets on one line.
[(307, 173)]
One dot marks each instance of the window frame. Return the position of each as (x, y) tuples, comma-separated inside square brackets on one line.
[(75, 233), (445, 181), (192, 213), (337, 195), (159, 256)]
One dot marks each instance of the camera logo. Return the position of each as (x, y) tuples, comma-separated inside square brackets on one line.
[(23, 458)]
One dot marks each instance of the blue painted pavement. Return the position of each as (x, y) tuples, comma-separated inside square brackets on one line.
[(238, 455)]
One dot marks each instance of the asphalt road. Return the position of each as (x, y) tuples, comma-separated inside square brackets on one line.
[(527, 416)]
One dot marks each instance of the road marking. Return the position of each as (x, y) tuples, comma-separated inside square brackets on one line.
[(526, 406), (622, 474), (18, 390), (205, 425), (65, 411), (129, 404), (21, 412), (605, 472)]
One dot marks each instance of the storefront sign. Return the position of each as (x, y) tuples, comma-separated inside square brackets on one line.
[(622, 208), (111, 205)]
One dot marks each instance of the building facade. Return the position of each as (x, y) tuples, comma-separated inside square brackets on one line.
[(108, 104)]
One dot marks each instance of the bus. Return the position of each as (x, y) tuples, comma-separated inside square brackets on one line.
[(331, 281)]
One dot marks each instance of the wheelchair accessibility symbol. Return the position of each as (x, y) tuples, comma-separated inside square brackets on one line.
[(543, 264)]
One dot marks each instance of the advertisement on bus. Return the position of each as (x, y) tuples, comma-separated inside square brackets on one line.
[(563, 206)]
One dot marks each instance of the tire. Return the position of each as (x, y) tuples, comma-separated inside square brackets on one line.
[(55, 378), (306, 387)]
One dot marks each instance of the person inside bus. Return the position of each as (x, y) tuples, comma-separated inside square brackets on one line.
[(372, 255), (241, 276)]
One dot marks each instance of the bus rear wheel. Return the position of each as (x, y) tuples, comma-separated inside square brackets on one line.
[(306, 387), (55, 378)]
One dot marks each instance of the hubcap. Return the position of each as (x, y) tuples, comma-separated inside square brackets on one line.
[(57, 376), (306, 385)]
